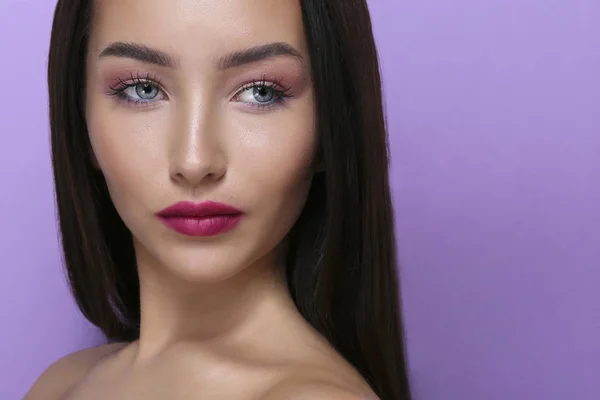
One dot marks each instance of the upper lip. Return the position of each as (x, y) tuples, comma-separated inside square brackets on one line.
[(188, 209)]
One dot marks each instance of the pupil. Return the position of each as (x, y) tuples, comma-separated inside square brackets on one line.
[(145, 90), (263, 94)]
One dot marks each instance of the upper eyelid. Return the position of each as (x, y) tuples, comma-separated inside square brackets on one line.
[(122, 84), (135, 80), (269, 84)]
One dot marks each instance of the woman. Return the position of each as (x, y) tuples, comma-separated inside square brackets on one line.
[(221, 176)]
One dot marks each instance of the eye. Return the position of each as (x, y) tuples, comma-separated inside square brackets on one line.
[(261, 94), (142, 92), (145, 91), (138, 90)]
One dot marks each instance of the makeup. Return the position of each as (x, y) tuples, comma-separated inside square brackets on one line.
[(200, 219)]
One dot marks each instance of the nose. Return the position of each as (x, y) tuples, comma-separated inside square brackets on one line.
[(197, 152)]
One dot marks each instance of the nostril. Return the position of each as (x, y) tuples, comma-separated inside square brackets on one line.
[(198, 174), (178, 177)]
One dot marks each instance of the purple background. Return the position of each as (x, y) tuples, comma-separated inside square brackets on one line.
[(494, 116)]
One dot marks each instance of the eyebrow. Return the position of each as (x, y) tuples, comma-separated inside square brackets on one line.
[(139, 52), (149, 55), (258, 53)]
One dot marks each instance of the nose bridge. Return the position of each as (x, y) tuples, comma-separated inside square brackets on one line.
[(197, 153)]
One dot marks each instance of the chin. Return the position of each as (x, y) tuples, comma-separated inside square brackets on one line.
[(201, 262), (211, 266)]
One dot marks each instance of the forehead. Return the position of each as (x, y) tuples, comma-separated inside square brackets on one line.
[(194, 29)]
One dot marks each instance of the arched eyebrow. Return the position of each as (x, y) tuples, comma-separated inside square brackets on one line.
[(258, 53), (146, 54), (139, 52)]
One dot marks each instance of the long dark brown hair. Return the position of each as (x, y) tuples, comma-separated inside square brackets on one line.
[(341, 269)]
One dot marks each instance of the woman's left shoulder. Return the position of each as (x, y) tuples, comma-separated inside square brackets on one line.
[(315, 390)]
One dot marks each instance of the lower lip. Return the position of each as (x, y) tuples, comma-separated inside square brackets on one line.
[(202, 226)]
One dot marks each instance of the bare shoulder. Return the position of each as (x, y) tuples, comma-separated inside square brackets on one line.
[(67, 371), (321, 375), (316, 390)]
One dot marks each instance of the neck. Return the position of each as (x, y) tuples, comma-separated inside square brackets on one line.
[(234, 312)]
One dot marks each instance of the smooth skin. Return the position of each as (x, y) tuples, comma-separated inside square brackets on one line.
[(197, 124)]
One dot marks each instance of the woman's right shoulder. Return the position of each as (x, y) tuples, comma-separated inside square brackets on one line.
[(68, 371)]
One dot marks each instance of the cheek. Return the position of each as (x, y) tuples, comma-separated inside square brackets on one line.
[(289, 169), (278, 167), (126, 150), (278, 151)]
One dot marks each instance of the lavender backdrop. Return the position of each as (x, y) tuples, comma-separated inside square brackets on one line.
[(494, 115)]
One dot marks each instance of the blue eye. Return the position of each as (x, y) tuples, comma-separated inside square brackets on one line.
[(145, 91), (261, 94), (258, 94), (138, 90)]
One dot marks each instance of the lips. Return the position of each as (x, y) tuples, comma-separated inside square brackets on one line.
[(200, 219)]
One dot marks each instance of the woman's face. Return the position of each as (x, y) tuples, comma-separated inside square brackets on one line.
[(196, 101)]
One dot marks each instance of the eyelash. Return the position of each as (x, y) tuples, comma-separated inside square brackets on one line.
[(280, 93), (121, 85)]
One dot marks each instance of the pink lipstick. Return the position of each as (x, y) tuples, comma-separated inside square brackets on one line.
[(200, 219)]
